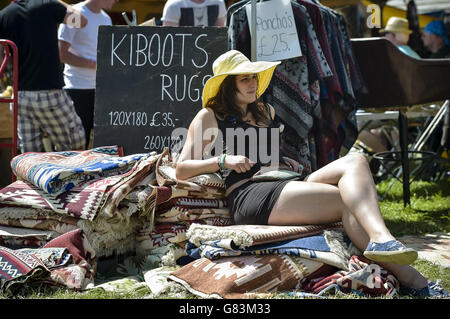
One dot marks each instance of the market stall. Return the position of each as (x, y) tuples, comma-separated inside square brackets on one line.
[(98, 203)]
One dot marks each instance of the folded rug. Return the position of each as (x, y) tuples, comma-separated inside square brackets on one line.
[(179, 214), (125, 184), (211, 184), (86, 200), (52, 257), (330, 247), (142, 198), (236, 277), (82, 201), (17, 237), (249, 235), (57, 172), (152, 198), (363, 277), (212, 221), (108, 237), (18, 269), (42, 224), (67, 260), (81, 269), (37, 219), (125, 285), (105, 235), (191, 202), (161, 235)]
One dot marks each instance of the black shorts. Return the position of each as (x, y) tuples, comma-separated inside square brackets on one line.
[(252, 203)]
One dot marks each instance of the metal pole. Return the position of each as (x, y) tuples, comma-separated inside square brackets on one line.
[(403, 128), (253, 36), (430, 128)]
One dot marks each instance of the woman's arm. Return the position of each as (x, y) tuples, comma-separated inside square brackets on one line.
[(191, 162)]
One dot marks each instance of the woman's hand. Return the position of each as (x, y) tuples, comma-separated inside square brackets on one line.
[(238, 163), (294, 165)]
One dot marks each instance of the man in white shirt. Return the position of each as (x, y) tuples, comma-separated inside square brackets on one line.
[(78, 51), (194, 13)]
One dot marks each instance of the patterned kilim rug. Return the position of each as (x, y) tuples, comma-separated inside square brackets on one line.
[(433, 247), (57, 172)]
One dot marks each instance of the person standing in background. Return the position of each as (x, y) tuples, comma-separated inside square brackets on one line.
[(78, 51), (44, 108), (194, 13), (436, 40), (383, 138), (398, 33)]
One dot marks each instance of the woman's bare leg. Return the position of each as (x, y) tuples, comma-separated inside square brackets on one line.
[(345, 184), (407, 275), (309, 203), (343, 190)]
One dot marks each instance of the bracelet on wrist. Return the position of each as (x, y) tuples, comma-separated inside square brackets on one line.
[(222, 162)]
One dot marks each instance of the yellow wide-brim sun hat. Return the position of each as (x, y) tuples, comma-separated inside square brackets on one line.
[(397, 25), (234, 62)]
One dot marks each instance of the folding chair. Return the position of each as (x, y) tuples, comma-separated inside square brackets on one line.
[(438, 166)]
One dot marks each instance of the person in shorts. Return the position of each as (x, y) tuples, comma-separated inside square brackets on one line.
[(78, 52), (44, 109)]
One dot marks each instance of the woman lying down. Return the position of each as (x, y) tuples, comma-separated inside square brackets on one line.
[(265, 188)]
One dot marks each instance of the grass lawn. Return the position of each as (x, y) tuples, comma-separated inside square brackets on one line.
[(429, 212)]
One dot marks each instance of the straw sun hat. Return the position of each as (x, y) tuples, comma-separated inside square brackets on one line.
[(233, 63), (397, 25)]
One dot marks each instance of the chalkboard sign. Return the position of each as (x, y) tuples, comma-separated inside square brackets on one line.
[(149, 83)]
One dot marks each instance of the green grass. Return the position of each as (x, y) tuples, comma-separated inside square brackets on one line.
[(64, 293), (429, 212)]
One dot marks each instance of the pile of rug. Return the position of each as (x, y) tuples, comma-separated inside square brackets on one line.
[(120, 204), (91, 204), (62, 191), (67, 261), (242, 261), (177, 204)]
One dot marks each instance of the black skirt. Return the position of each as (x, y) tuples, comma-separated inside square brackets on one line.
[(252, 202)]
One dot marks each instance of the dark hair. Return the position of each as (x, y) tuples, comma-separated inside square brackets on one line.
[(224, 104)]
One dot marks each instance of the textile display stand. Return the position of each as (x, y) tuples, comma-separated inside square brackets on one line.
[(314, 88), (395, 80), (253, 29)]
